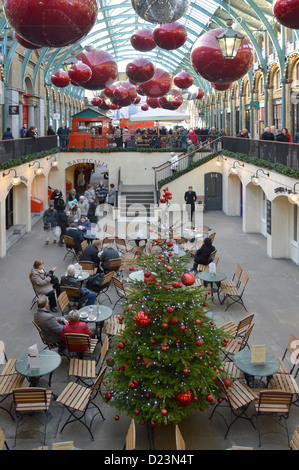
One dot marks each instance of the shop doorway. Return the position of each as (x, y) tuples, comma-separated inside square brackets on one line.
[(213, 191)]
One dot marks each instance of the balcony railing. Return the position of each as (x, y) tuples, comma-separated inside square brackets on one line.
[(11, 149), (272, 151)]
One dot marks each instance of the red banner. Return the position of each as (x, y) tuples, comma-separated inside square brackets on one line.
[(136, 125)]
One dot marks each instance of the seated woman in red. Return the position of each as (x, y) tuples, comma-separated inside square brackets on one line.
[(75, 326)]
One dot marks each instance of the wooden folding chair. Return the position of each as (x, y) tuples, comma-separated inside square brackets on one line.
[(294, 444), (130, 443), (84, 245), (48, 344), (179, 440), (120, 290), (285, 379), (32, 400), (113, 265), (235, 294), (235, 345), (88, 266), (237, 329), (3, 441), (235, 280), (105, 284), (70, 247), (78, 399), (237, 398), (121, 244), (63, 301), (83, 342), (35, 298), (203, 267), (112, 327), (74, 294), (9, 380), (275, 405)]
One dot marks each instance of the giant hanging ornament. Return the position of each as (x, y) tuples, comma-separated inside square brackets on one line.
[(79, 72), (140, 70), (159, 12), (24, 43), (208, 61), (221, 86), (183, 80), (170, 36), (286, 12), (121, 93), (96, 101), (51, 23), (152, 102), (170, 101), (142, 40), (200, 94), (60, 79), (103, 66), (157, 86)]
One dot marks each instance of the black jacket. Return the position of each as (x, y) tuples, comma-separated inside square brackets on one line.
[(90, 254), (69, 281), (50, 217), (202, 255), (107, 255), (77, 236), (190, 197), (267, 136), (91, 214)]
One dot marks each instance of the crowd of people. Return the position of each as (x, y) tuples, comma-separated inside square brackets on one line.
[(280, 135)]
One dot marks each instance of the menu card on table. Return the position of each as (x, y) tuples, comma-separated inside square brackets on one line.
[(258, 354), (33, 357)]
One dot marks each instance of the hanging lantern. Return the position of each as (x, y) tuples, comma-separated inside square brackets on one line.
[(286, 12), (79, 72), (140, 70), (229, 41), (157, 86), (103, 67), (183, 80), (51, 23), (142, 40), (209, 63), (170, 36), (159, 12), (60, 79)]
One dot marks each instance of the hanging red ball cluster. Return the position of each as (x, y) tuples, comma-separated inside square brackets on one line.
[(167, 195)]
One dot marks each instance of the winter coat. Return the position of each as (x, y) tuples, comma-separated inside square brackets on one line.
[(107, 255), (40, 281), (7, 135), (101, 192), (83, 206), (111, 196), (49, 325), (202, 255), (86, 225), (50, 217), (91, 214), (91, 253), (76, 327)]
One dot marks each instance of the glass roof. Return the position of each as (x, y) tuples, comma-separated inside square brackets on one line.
[(117, 20)]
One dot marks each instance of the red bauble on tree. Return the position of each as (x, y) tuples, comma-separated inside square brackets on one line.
[(26, 44), (188, 279), (142, 40), (208, 61), (140, 70), (142, 319), (286, 12), (221, 86), (170, 36), (157, 86), (103, 66), (60, 79), (79, 72), (183, 80), (184, 398), (52, 23)]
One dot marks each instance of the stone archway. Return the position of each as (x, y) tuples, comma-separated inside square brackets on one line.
[(234, 196), (278, 242), (254, 210)]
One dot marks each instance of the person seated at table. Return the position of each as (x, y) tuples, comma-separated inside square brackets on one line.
[(77, 235), (51, 326), (202, 255), (74, 325), (83, 224), (91, 253), (108, 254), (44, 283), (69, 280)]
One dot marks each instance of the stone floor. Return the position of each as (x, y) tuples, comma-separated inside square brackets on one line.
[(272, 294)]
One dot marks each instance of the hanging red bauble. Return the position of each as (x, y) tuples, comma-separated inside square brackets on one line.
[(113, 107), (221, 86), (142, 40), (184, 398), (188, 279), (183, 80), (26, 44), (145, 107), (286, 12), (137, 100), (170, 36), (157, 86), (103, 67), (79, 72), (200, 94), (140, 70), (60, 79), (143, 319), (97, 101), (152, 102), (122, 93), (208, 61), (173, 104), (51, 23)]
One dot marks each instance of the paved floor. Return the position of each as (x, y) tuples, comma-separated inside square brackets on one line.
[(272, 294)]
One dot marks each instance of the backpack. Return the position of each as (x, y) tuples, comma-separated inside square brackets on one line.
[(94, 282)]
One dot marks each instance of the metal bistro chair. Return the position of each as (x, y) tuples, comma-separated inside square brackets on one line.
[(105, 284), (235, 294), (48, 344), (70, 247), (78, 399)]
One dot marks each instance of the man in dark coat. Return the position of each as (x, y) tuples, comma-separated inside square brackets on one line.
[(62, 223), (202, 255), (108, 254), (281, 150), (76, 235), (50, 325), (190, 199), (91, 253), (91, 214)]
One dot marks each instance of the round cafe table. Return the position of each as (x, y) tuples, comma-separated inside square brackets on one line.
[(242, 361), (95, 314), (212, 279), (49, 361)]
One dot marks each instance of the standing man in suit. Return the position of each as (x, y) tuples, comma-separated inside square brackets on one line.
[(190, 198)]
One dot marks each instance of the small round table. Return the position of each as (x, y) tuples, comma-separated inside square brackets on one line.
[(49, 361), (242, 361), (81, 277), (136, 238), (90, 237), (100, 313), (208, 278)]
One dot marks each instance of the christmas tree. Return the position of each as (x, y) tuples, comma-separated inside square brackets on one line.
[(165, 361)]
